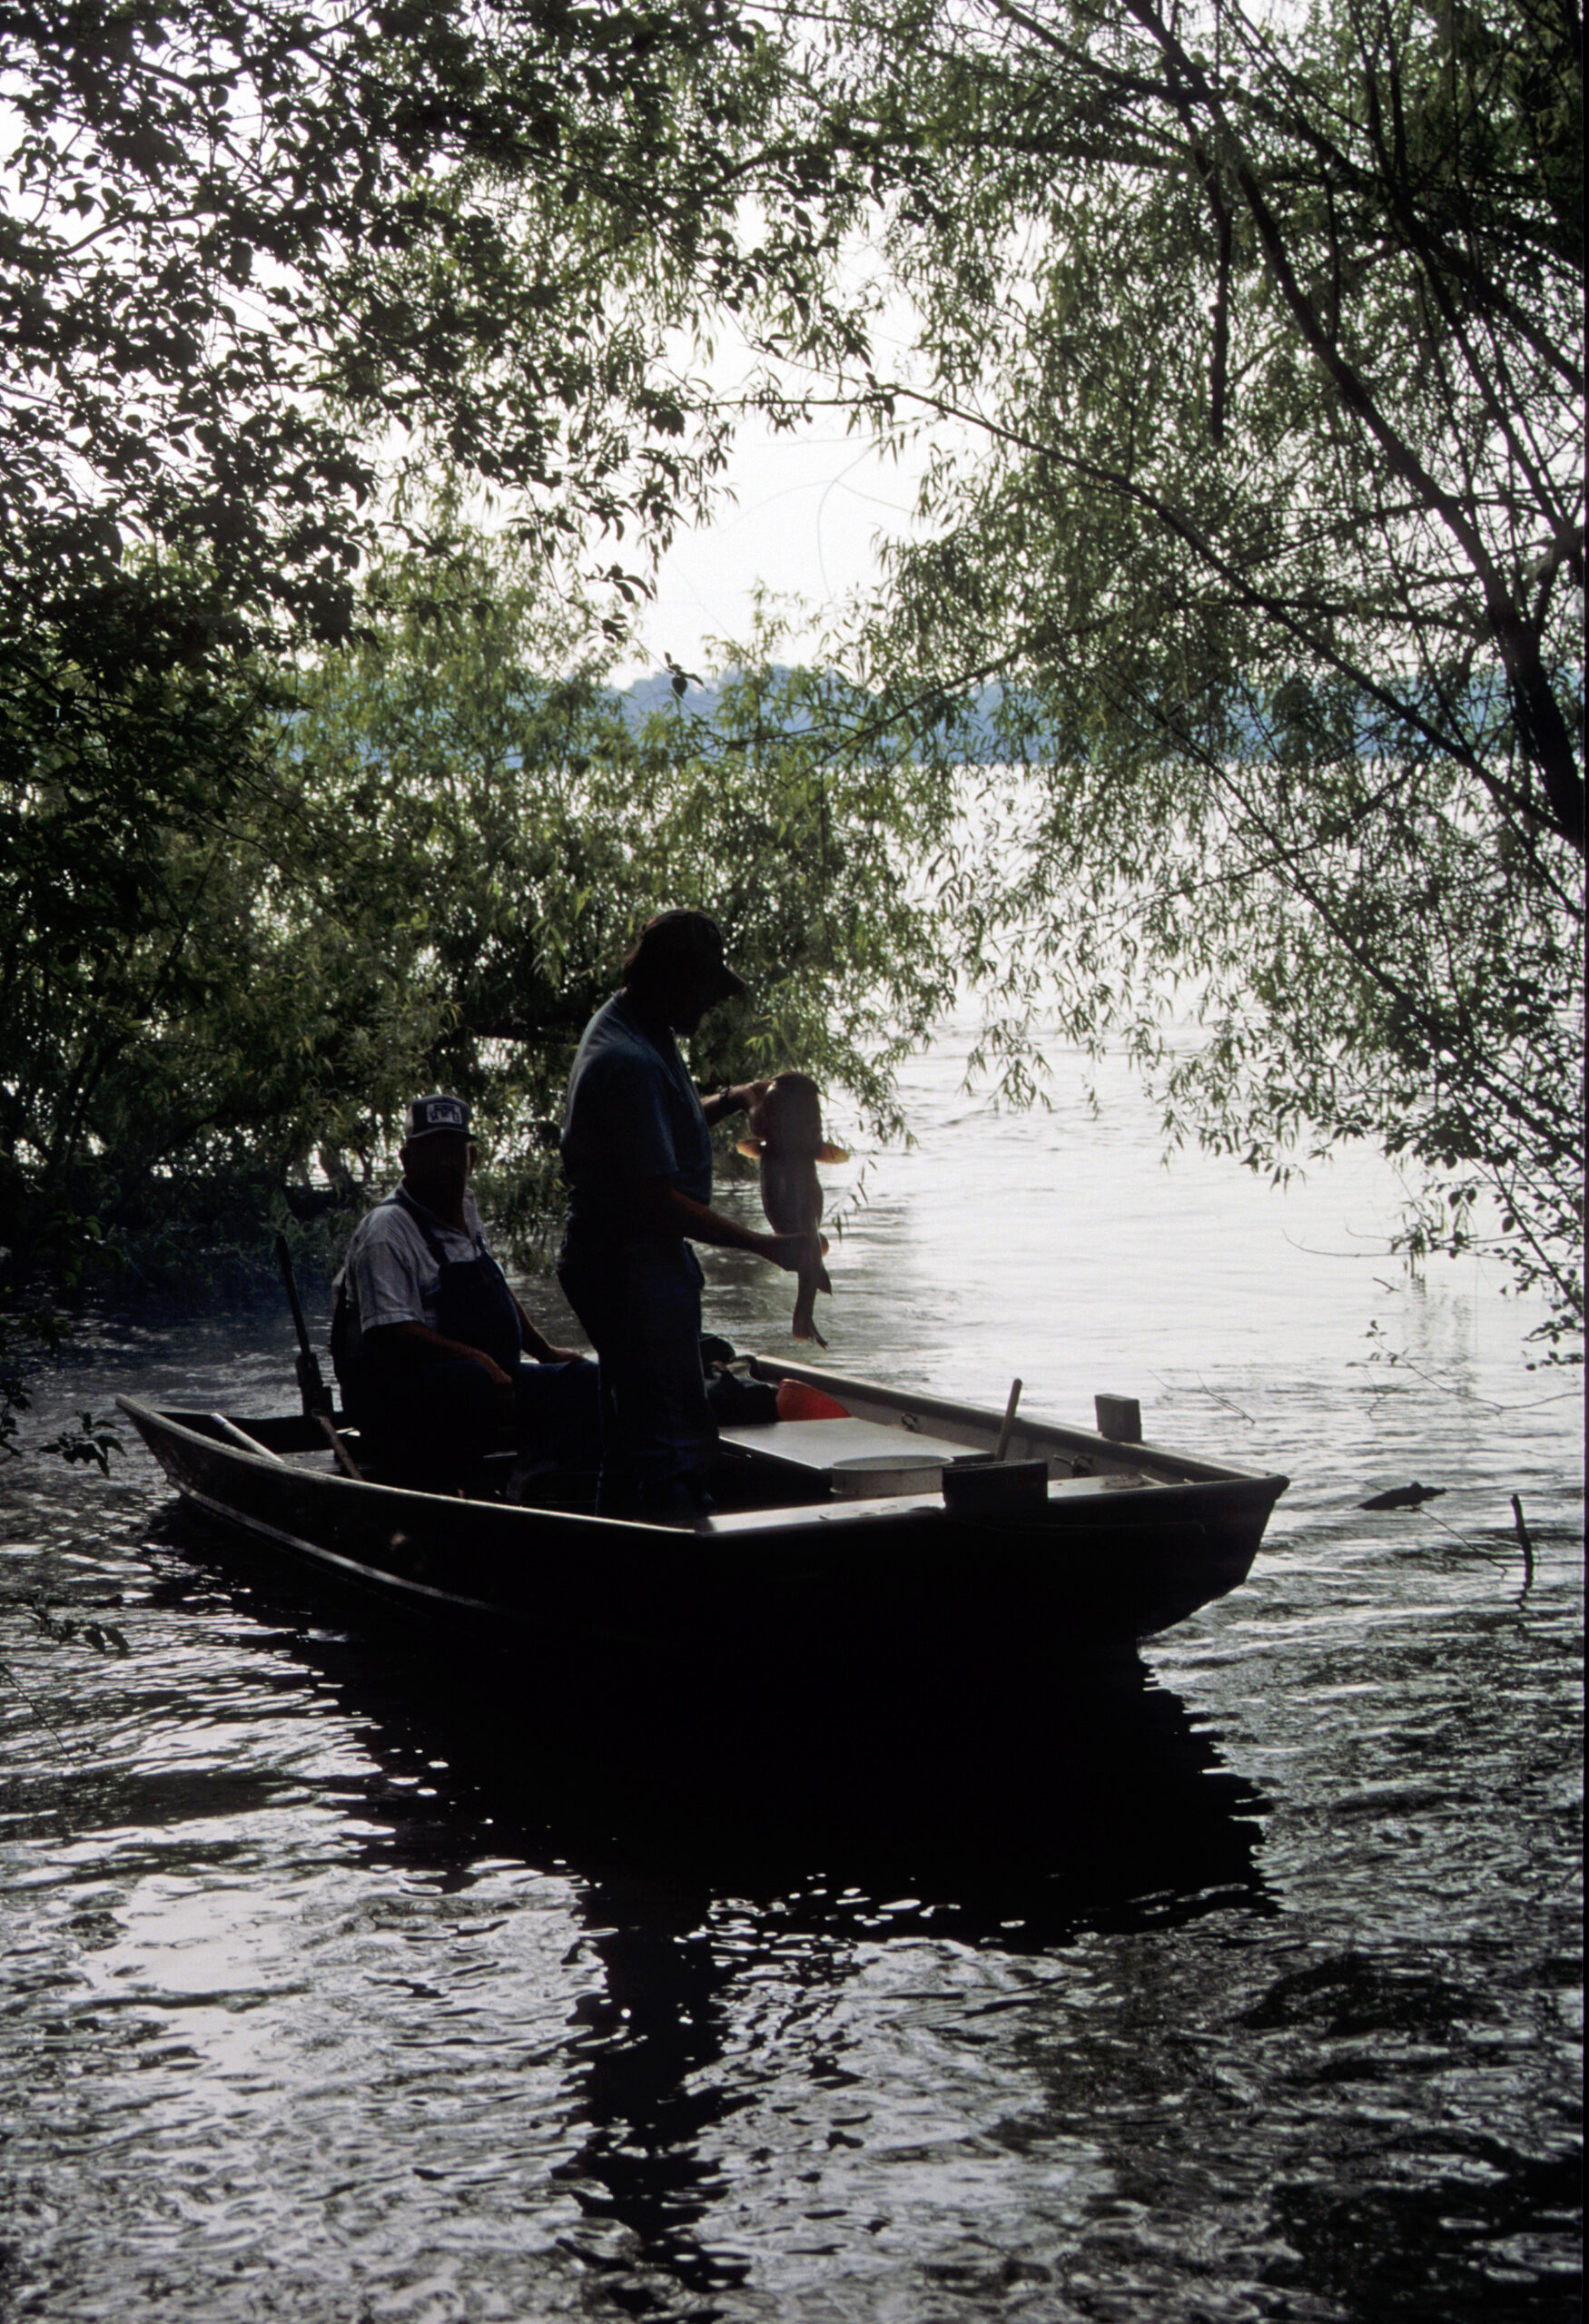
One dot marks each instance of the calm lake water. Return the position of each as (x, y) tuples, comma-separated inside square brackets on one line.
[(1242, 1985)]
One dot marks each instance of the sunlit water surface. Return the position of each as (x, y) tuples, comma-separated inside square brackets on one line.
[(1243, 1987)]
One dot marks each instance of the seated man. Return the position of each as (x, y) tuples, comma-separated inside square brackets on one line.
[(427, 1340)]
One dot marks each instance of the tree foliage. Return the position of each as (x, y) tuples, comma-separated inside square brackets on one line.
[(431, 850), (1247, 358), (260, 259), (497, 822), (267, 270), (1237, 657)]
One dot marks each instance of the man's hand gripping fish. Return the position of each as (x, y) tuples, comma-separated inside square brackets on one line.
[(786, 1138)]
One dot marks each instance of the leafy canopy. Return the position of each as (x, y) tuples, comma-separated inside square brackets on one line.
[(433, 850), (260, 258), (1244, 361), (267, 271)]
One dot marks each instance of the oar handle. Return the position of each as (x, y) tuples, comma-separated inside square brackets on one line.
[(1003, 1445), (312, 1386), (284, 1261)]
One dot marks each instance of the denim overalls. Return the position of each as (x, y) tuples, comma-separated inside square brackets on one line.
[(473, 1303), (434, 1423)]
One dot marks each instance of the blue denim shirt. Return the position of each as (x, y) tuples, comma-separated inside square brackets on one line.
[(633, 1115)]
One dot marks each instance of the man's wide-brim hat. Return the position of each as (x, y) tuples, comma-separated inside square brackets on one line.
[(429, 1117), (682, 947)]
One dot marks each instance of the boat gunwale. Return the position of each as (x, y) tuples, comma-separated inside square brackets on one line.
[(270, 1464), (1059, 1436), (1141, 1556), (821, 1517)]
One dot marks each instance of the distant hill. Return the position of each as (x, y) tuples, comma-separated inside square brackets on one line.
[(644, 697), (978, 739)]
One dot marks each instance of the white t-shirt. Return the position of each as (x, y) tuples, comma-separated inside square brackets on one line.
[(390, 1274)]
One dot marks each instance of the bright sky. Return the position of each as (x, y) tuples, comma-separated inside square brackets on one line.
[(806, 512)]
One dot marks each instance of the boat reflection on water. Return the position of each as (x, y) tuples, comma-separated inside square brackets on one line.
[(737, 1879), (1013, 1805)]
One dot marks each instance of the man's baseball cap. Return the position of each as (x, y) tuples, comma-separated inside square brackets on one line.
[(426, 1116), (681, 944)]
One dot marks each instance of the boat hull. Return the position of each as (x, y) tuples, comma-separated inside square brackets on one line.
[(898, 1586)]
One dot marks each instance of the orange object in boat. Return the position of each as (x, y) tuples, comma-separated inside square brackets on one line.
[(797, 1400)]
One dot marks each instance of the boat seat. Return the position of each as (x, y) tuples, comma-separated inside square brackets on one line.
[(850, 1456)]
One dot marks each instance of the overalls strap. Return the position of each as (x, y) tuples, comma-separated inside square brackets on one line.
[(473, 1303)]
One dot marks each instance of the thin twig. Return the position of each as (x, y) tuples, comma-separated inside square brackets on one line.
[(1226, 1403), (1471, 1546), (1466, 1395), (7, 1672)]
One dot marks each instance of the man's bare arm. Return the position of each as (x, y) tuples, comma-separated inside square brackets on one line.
[(665, 1211), (737, 1099), (537, 1347)]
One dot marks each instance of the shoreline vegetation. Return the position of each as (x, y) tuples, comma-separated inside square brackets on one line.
[(355, 381)]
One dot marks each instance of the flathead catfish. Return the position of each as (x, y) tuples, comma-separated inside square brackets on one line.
[(785, 1124)]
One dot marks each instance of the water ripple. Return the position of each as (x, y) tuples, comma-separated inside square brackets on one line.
[(1243, 1987)]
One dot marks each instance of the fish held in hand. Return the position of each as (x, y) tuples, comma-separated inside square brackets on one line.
[(785, 1138)]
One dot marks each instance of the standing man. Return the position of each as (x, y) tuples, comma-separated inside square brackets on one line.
[(429, 1341), (637, 1156)]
